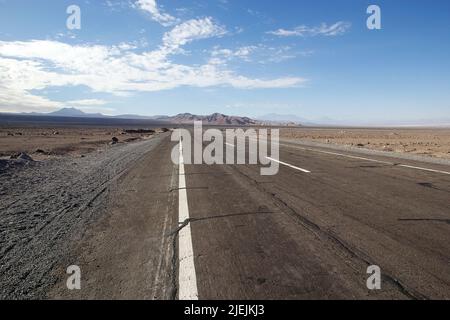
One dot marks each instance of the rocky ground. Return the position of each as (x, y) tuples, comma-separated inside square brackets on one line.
[(46, 206), (57, 142)]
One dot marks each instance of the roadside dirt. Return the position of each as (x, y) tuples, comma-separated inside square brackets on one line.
[(47, 206), (424, 142), (56, 142)]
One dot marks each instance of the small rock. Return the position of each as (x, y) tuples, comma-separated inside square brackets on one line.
[(40, 151), (22, 156), (55, 133), (114, 140)]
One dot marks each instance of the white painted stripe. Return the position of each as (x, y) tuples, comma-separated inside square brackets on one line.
[(280, 162), (338, 154), (366, 159), (425, 169), (289, 165), (187, 279)]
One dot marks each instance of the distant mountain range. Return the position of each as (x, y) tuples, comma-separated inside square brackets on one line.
[(215, 118), (287, 119), (272, 119), (184, 118), (73, 112)]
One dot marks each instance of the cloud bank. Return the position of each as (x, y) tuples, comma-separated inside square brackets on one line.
[(27, 66)]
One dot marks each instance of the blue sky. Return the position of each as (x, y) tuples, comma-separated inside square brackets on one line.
[(313, 59)]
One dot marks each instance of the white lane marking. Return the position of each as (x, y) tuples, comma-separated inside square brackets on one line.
[(289, 165), (425, 169), (187, 279), (338, 154), (280, 162), (367, 159)]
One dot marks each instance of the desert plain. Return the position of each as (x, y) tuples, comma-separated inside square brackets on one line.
[(427, 142), (51, 142)]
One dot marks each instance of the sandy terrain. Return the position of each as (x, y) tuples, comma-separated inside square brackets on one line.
[(47, 143), (424, 142)]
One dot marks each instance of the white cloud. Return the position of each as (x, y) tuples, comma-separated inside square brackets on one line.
[(336, 29), (221, 55), (151, 7), (26, 67), (12, 100), (194, 29), (87, 102), (118, 5), (259, 53)]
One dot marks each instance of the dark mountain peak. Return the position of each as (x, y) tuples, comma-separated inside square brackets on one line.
[(214, 119), (68, 112)]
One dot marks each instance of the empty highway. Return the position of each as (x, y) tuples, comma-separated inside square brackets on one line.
[(170, 231), (309, 232)]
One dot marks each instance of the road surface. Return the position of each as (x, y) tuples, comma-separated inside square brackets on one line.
[(226, 232)]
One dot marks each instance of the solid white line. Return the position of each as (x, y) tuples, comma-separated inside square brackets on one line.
[(289, 165), (425, 169), (187, 279)]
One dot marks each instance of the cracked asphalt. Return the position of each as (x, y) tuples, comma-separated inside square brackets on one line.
[(294, 235)]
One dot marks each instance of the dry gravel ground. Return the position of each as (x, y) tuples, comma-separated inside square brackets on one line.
[(46, 206), (433, 143), (54, 142)]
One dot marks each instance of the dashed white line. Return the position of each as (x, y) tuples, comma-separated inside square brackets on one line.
[(281, 162), (289, 165), (338, 154), (367, 159), (187, 279)]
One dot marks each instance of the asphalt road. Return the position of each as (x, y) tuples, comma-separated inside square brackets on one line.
[(299, 235), (226, 232)]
